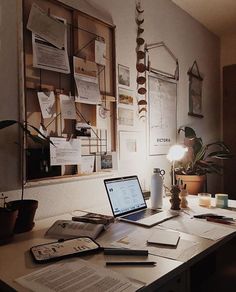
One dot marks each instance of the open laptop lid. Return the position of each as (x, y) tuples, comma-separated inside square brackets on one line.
[(125, 195)]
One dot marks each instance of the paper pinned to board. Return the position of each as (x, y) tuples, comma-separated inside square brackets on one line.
[(65, 152), (100, 52), (46, 27), (86, 79), (47, 104), (67, 104), (48, 57)]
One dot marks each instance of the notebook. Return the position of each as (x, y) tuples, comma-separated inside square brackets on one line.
[(128, 203)]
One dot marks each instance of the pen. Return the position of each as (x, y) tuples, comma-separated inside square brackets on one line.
[(130, 263), (218, 220), (120, 251)]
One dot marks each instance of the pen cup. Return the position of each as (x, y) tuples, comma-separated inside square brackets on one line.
[(204, 200), (221, 200)]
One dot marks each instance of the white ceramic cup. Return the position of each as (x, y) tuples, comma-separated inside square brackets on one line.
[(221, 200)]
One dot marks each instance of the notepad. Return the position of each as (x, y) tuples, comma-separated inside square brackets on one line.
[(164, 237)]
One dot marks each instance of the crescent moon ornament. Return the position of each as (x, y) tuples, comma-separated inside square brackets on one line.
[(139, 21), (142, 102), (143, 109), (138, 9)]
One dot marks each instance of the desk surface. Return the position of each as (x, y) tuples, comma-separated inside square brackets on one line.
[(15, 260)]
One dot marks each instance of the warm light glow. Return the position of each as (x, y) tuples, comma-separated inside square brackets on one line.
[(176, 152)]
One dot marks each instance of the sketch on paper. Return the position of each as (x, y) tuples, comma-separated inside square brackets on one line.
[(162, 115)]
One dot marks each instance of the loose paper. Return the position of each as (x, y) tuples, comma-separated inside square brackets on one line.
[(47, 104), (46, 27), (196, 227), (67, 107), (76, 275), (65, 152)]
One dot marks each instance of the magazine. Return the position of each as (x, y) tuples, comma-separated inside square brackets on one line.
[(64, 229)]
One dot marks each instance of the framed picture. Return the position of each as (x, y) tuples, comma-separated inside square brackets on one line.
[(195, 91), (162, 114), (123, 75), (125, 96)]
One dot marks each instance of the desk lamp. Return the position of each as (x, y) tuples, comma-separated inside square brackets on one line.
[(175, 153)]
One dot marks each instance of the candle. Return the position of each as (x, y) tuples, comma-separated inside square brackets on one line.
[(221, 200), (204, 200)]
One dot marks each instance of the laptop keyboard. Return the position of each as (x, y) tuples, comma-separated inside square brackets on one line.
[(141, 214)]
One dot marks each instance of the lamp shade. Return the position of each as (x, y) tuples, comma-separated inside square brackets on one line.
[(176, 152)]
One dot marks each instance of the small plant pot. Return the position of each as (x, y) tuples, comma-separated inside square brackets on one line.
[(26, 212), (194, 183), (7, 224)]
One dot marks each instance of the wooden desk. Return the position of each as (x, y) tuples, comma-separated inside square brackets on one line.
[(167, 275)]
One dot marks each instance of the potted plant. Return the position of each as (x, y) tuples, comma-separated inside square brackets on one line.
[(7, 221), (199, 160), (25, 208)]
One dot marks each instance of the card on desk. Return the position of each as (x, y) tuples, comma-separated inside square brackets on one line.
[(164, 237)]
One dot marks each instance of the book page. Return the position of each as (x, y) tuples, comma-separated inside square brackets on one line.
[(76, 275)]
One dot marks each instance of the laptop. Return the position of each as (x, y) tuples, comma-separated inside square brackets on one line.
[(128, 203)]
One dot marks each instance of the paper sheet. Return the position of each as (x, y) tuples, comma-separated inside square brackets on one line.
[(197, 227), (47, 104), (100, 53), (86, 79), (86, 165), (48, 57), (76, 275), (67, 107), (184, 250), (65, 152), (46, 27)]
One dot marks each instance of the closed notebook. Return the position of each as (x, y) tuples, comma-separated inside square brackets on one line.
[(164, 237)]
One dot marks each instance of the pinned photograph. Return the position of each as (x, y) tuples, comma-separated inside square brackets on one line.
[(83, 129)]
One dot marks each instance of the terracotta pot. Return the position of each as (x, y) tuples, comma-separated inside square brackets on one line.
[(26, 212), (7, 224), (194, 183)]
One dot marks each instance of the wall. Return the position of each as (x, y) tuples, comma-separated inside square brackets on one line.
[(228, 50), (188, 40)]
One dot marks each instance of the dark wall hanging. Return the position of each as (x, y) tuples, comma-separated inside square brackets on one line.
[(195, 91), (140, 63)]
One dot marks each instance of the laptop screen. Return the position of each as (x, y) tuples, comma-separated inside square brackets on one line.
[(125, 195)]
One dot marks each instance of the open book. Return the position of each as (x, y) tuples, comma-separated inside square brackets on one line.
[(64, 229)]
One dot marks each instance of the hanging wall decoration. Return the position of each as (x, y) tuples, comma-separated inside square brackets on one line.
[(195, 91), (140, 63)]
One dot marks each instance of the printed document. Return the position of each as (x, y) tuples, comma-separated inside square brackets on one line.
[(65, 152), (46, 26), (100, 53), (86, 79), (47, 56), (76, 275), (197, 227)]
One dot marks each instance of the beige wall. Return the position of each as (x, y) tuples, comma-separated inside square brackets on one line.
[(164, 21), (228, 50)]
